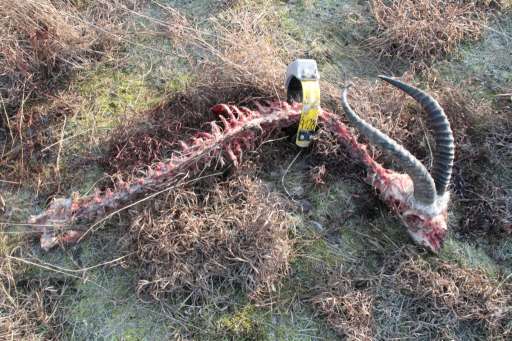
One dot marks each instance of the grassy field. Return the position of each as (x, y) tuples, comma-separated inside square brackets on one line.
[(287, 246)]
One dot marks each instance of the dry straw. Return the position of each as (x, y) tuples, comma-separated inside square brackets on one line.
[(234, 235), (415, 297), (421, 31)]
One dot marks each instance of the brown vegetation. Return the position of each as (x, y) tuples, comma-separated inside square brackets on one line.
[(214, 235), (35, 133), (233, 235), (242, 62), (421, 31), (446, 296), (348, 310), (419, 298), (482, 144), (133, 147), (40, 41), (245, 51), (28, 306)]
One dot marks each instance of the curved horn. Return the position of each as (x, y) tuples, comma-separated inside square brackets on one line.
[(443, 135), (424, 186)]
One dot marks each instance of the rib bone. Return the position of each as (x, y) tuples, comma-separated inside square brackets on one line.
[(237, 135)]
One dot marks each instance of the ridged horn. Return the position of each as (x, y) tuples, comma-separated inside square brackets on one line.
[(424, 186), (438, 122)]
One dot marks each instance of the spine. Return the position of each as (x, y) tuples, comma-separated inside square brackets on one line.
[(236, 131)]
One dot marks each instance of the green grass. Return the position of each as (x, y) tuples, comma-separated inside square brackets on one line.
[(469, 256)]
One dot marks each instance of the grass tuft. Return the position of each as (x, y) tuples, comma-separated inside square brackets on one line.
[(412, 296), (421, 31), (234, 235)]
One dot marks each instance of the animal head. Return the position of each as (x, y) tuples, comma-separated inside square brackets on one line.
[(420, 197)]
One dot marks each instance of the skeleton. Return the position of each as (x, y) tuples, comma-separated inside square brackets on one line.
[(419, 198)]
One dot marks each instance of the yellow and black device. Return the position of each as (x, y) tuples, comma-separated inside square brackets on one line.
[(302, 85)]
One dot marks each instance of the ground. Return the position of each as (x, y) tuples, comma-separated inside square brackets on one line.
[(352, 272)]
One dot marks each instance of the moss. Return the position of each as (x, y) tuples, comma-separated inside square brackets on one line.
[(114, 94), (333, 201), (106, 306), (283, 322), (313, 259), (501, 250), (353, 232), (468, 255), (362, 221), (110, 98), (18, 208), (178, 83), (300, 323), (102, 306), (243, 324)]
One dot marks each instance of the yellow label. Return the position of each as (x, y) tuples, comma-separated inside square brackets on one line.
[(310, 112)]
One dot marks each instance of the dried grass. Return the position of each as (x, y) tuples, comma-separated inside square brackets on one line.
[(445, 298), (482, 178), (418, 298), (348, 310), (238, 58), (40, 41), (43, 40), (132, 146), (31, 154), (28, 308), (483, 136), (242, 48), (233, 235), (421, 31), (483, 144), (391, 111)]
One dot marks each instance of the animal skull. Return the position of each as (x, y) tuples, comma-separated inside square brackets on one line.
[(420, 198)]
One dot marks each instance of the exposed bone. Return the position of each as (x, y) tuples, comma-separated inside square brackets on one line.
[(62, 214), (424, 213), (395, 189), (424, 186)]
